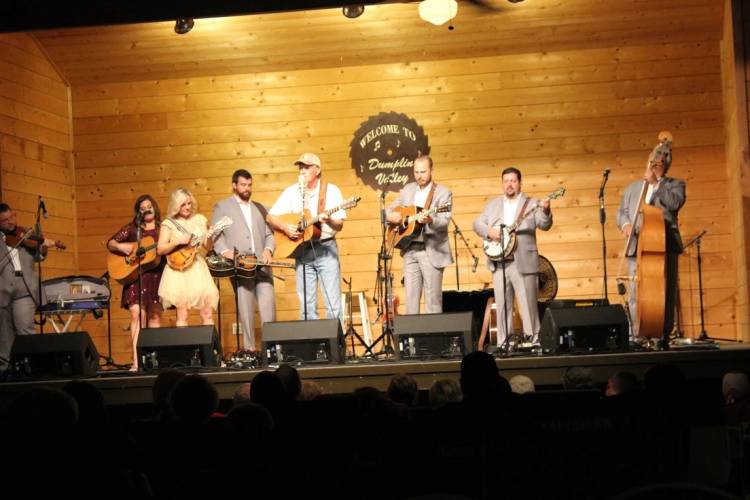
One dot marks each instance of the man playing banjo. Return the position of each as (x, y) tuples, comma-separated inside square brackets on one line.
[(520, 268)]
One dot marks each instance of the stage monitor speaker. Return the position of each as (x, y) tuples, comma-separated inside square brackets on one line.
[(303, 342), (54, 355), (439, 335), (179, 346), (584, 329)]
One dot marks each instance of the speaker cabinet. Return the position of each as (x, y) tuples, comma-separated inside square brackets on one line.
[(426, 336), (306, 342), (180, 346), (584, 329), (54, 355)]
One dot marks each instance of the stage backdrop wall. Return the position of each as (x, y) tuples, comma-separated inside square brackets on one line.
[(36, 145), (562, 92)]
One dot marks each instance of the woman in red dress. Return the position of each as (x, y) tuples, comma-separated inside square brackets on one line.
[(146, 215)]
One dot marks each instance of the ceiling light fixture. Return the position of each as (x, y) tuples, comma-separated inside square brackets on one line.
[(438, 12), (183, 25), (353, 11)]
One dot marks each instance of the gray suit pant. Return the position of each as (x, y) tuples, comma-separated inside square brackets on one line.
[(420, 274), (17, 318), (525, 288), (249, 292)]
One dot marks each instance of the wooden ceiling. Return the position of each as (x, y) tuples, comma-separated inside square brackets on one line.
[(384, 33)]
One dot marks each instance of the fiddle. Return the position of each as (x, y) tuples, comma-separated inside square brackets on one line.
[(30, 240)]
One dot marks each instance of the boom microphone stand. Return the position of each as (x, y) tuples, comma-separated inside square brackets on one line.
[(602, 220), (475, 260), (41, 211), (697, 240)]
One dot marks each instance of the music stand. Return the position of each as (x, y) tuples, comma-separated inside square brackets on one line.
[(697, 240)]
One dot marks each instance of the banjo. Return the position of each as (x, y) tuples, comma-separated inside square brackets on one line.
[(503, 249)]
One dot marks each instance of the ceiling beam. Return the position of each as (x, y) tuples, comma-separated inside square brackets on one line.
[(28, 15)]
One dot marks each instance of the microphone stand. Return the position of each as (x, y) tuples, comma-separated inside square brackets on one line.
[(697, 240), (236, 283), (602, 221), (384, 287), (39, 257), (506, 341), (475, 260)]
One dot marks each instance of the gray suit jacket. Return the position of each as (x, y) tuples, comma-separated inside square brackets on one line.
[(30, 275), (526, 254), (670, 197), (436, 234), (238, 234)]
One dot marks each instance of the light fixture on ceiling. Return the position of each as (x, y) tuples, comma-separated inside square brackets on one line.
[(183, 25), (438, 12), (353, 11)]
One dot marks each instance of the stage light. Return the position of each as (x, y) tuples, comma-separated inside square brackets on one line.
[(438, 12), (353, 11), (183, 25)]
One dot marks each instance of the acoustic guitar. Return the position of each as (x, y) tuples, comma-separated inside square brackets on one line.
[(307, 225), (401, 235), (124, 268), (503, 249), (183, 256)]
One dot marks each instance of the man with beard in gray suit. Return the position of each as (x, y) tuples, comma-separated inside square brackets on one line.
[(522, 271), (249, 234), (429, 252), (668, 194), (19, 290)]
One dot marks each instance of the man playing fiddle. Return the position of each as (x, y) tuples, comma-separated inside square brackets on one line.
[(19, 288)]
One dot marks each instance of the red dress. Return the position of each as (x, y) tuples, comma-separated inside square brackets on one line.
[(150, 279)]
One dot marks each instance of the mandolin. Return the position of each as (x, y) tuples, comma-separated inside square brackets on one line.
[(124, 268), (307, 225), (503, 249), (401, 235), (183, 256)]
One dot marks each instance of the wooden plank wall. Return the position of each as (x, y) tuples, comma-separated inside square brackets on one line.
[(561, 114), (736, 126), (35, 145)]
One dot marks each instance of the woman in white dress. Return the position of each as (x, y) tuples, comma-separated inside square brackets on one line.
[(192, 287)]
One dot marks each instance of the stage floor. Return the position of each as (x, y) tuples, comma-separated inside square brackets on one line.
[(697, 362)]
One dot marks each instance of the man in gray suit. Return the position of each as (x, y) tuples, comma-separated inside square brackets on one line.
[(522, 271), (249, 234), (19, 291), (668, 194), (429, 252)]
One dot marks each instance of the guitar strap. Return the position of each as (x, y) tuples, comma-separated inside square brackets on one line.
[(522, 211), (180, 227), (322, 196), (428, 201)]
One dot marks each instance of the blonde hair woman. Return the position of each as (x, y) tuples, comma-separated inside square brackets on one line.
[(192, 287)]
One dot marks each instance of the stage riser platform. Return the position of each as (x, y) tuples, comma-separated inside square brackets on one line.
[(544, 371)]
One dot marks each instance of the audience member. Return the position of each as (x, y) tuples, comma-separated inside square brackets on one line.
[(241, 395), (403, 389), (521, 384), (193, 400), (161, 389), (577, 378), (290, 379), (444, 391), (735, 388), (621, 383)]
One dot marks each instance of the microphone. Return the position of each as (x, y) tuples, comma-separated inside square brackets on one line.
[(474, 266), (43, 208), (605, 177)]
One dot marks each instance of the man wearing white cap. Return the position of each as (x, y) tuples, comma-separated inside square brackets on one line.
[(317, 260)]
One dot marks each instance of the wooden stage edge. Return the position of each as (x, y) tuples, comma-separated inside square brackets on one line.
[(697, 363)]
